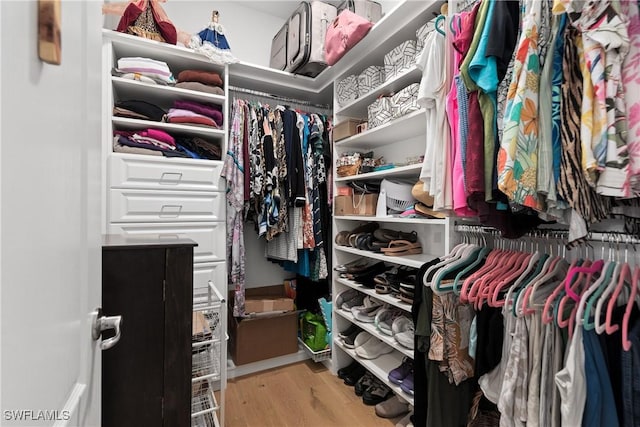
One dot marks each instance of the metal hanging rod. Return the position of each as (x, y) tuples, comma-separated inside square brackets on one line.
[(282, 99), (550, 233)]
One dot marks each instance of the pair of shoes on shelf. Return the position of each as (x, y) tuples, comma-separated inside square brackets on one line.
[(355, 266), (403, 375), (402, 248), (366, 278), (407, 289), (351, 373), (367, 346), (389, 281), (348, 238), (384, 319), (348, 336), (402, 330), (385, 235), (366, 312), (364, 383), (393, 407), (377, 392), (348, 299)]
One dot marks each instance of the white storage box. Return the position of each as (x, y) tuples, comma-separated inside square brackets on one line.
[(405, 101), (347, 90), (400, 59), (380, 112), (369, 79)]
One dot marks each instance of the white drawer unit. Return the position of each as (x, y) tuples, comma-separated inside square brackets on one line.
[(216, 272), (165, 206), (209, 236), (136, 171)]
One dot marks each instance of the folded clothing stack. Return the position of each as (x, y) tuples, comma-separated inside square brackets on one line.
[(195, 113), (201, 81), (146, 70), (156, 142), (141, 110)]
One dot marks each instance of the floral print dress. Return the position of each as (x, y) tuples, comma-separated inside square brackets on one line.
[(517, 157)]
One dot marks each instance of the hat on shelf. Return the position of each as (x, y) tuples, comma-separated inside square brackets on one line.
[(425, 201)]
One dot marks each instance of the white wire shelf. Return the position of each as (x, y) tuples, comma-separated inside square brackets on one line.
[(316, 356), (204, 405)]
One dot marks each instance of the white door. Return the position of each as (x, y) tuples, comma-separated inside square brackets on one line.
[(50, 254)]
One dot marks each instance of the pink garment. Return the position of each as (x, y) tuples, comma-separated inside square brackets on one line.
[(211, 111), (460, 206), (159, 135)]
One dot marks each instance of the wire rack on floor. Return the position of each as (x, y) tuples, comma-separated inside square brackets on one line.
[(203, 405), (205, 361), (316, 356)]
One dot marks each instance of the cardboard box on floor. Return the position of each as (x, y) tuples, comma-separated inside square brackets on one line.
[(265, 336)]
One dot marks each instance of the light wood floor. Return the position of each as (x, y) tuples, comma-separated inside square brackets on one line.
[(303, 394)]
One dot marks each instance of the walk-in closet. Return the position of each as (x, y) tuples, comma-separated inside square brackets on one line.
[(320, 213)]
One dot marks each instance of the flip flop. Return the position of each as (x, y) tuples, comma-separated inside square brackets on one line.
[(342, 238), (400, 246), (413, 251)]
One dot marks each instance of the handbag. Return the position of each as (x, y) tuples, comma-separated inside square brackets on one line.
[(343, 33)]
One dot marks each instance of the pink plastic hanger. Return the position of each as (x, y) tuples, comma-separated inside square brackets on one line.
[(607, 326), (495, 292), (626, 344), (593, 268), (468, 283)]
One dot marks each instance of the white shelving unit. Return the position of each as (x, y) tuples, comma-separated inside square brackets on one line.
[(169, 198), (397, 141)]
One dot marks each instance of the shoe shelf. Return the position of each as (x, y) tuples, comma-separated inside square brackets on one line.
[(393, 219), (380, 367), (415, 261), (385, 298), (359, 106), (400, 129), (398, 172), (371, 328)]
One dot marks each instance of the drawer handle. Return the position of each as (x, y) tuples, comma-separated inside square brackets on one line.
[(171, 178), (170, 211)]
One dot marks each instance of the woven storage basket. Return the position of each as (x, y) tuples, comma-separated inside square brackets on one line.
[(349, 164), (400, 59), (369, 79), (379, 112), (405, 101), (347, 90)]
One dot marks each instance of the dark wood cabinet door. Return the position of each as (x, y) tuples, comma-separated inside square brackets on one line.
[(146, 376)]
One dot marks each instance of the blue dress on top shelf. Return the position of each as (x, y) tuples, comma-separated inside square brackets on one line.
[(212, 43)]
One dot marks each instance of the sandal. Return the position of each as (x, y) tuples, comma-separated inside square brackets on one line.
[(402, 247), (342, 238), (386, 235)]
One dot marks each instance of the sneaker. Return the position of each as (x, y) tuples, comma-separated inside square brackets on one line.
[(407, 384), (367, 314), (349, 342), (377, 393), (373, 348), (348, 298), (352, 377), (367, 302), (350, 330), (384, 319), (392, 407), (403, 331), (342, 372), (364, 383), (397, 375)]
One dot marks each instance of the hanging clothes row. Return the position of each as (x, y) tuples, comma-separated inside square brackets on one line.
[(541, 111), (528, 335), (277, 178)]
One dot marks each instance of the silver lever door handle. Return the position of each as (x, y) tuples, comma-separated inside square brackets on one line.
[(103, 323)]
